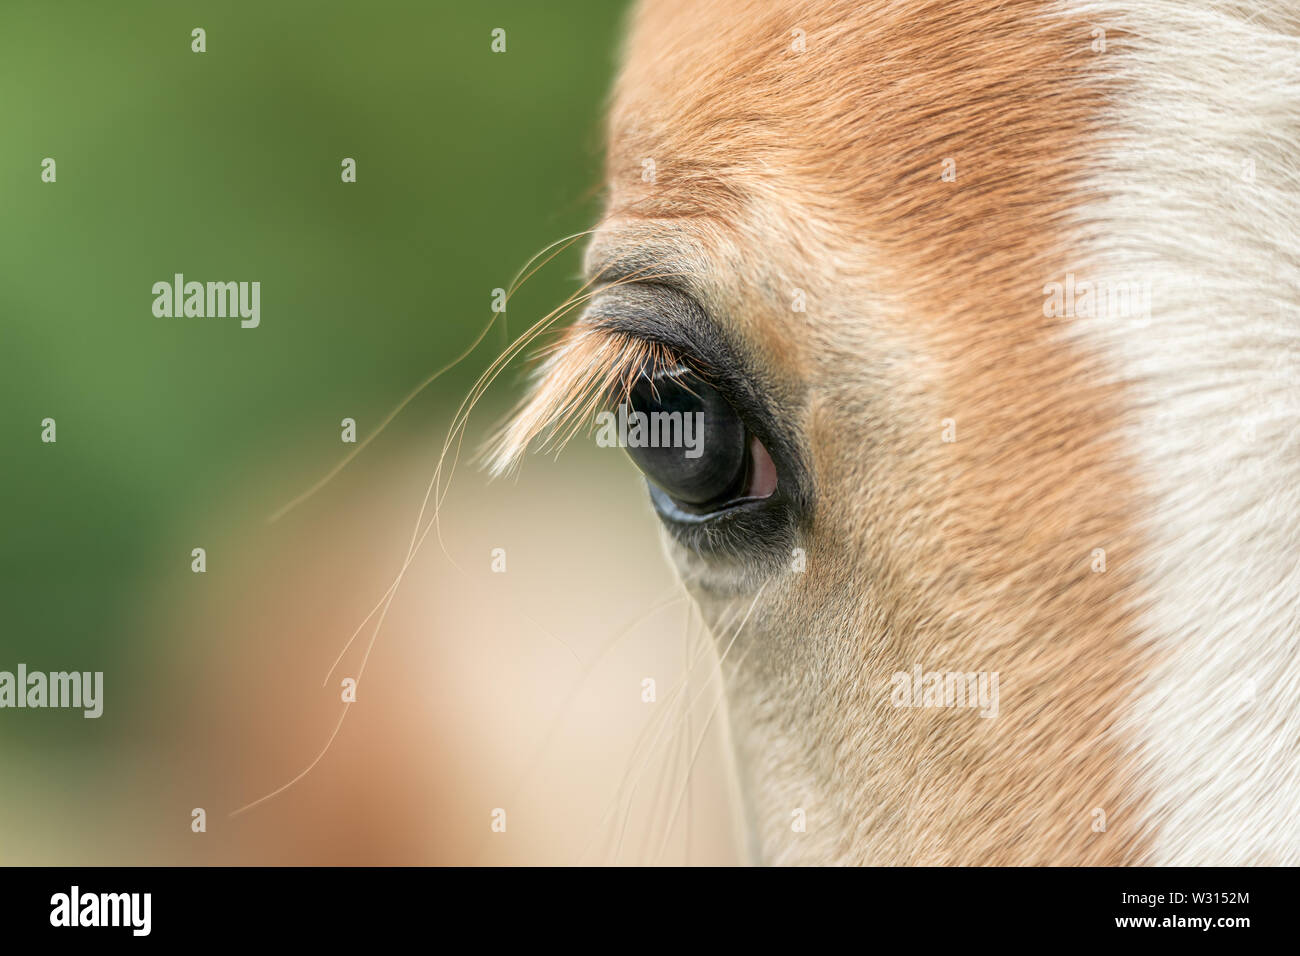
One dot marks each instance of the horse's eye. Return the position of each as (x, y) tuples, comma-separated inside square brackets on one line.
[(691, 444)]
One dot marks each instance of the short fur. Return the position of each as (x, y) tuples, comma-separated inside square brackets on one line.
[(1121, 738)]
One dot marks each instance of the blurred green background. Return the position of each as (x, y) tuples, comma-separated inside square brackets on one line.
[(225, 166)]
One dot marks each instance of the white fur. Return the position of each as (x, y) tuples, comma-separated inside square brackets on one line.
[(1215, 385)]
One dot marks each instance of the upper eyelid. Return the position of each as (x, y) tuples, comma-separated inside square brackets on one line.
[(656, 311), (673, 318), (620, 268)]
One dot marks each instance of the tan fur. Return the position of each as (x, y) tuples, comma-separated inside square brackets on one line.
[(776, 170)]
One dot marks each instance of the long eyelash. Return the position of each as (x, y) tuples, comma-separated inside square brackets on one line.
[(587, 370)]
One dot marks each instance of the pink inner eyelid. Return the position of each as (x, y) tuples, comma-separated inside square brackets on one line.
[(762, 479)]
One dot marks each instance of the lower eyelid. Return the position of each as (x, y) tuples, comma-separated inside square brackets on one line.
[(671, 511)]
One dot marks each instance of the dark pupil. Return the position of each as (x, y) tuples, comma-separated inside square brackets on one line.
[(692, 443)]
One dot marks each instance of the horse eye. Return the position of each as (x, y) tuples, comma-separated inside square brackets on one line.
[(688, 440)]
